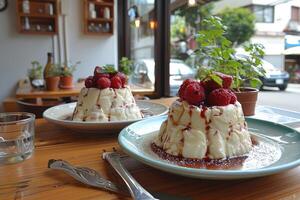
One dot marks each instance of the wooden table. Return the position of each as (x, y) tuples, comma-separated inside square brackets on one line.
[(32, 179), (27, 92)]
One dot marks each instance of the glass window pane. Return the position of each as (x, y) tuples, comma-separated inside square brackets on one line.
[(268, 14), (182, 44), (142, 45), (259, 13)]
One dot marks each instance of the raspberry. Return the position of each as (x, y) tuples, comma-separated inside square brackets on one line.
[(227, 80), (116, 82), (89, 82), (103, 83), (233, 97), (183, 87), (194, 93), (122, 77), (211, 85), (98, 70), (219, 97)]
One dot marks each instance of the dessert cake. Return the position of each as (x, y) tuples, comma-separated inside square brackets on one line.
[(207, 122), (105, 98)]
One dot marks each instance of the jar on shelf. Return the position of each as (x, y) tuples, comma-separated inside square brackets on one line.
[(26, 6), (106, 13)]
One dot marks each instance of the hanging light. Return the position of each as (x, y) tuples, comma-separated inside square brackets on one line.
[(152, 24), (191, 3), (137, 22)]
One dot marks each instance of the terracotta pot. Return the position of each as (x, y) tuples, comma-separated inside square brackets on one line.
[(52, 83), (247, 97), (66, 82)]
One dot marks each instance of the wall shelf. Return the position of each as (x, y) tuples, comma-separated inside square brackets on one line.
[(39, 17), (101, 21)]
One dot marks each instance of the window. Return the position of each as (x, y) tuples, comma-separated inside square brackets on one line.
[(263, 13), (295, 14)]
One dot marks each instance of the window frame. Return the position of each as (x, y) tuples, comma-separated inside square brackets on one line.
[(263, 7), (161, 44)]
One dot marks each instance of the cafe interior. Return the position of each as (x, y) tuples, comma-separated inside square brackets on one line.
[(94, 105)]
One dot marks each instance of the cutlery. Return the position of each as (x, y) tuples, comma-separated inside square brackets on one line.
[(136, 190), (87, 176)]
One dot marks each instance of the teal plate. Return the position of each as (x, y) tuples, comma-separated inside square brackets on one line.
[(277, 150)]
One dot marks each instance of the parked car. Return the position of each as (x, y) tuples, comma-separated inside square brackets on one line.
[(274, 77), (179, 71)]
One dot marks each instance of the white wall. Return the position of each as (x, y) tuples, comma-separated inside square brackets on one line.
[(17, 50)]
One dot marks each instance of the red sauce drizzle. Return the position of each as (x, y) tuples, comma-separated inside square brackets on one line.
[(207, 163)]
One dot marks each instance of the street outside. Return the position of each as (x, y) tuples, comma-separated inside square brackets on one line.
[(289, 99)]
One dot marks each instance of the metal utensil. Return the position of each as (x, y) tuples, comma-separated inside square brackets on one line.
[(136, 190), (87, 176)]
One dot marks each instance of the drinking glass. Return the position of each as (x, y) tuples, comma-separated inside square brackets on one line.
[(16, 136)]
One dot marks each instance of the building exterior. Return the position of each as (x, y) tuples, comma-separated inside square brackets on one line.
[(277, 27)]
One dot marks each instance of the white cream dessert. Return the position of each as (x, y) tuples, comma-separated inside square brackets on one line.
[(199, 132), (106, 105), (106, 98), (207, 122)]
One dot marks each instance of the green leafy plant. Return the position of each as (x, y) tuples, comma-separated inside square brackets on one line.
[(217, 51), (126, 66), (68, 70), (55, 70), (36, 71)]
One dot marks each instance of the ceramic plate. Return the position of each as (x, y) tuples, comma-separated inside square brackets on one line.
[(277, 150), (61, 115)]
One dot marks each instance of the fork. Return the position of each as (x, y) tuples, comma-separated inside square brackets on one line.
[(87, 176), (136, 190)]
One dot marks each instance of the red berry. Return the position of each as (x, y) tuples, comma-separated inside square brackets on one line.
[(194, 93), (103, 83), (89, 82), (227, 79), (219, 97), (233, 97), (183, 87), (102, 75), (98, 70), (122, 77), (116, 82), (211, 85)]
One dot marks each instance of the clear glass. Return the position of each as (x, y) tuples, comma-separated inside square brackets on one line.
[(142, 27), (16, 137)]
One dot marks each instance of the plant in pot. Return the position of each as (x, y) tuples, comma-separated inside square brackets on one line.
[(35, 74), (66, 76), (217, 52), (52, 77)]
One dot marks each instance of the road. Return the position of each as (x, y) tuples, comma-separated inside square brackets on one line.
[(289, 99)]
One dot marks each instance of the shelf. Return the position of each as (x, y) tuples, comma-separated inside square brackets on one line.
[(37, 32), (100, 10), (98, 33), (100, 20), (103, 3), (37, 16)]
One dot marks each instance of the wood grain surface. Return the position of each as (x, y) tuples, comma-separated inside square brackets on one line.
[(32, 179)]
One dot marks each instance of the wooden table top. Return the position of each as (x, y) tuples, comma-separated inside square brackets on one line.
[(32, 179), (27, 92)]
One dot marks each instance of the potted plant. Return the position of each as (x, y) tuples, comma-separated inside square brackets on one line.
[(217, 51), (35, 74), (52, 77), (66, 76)]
